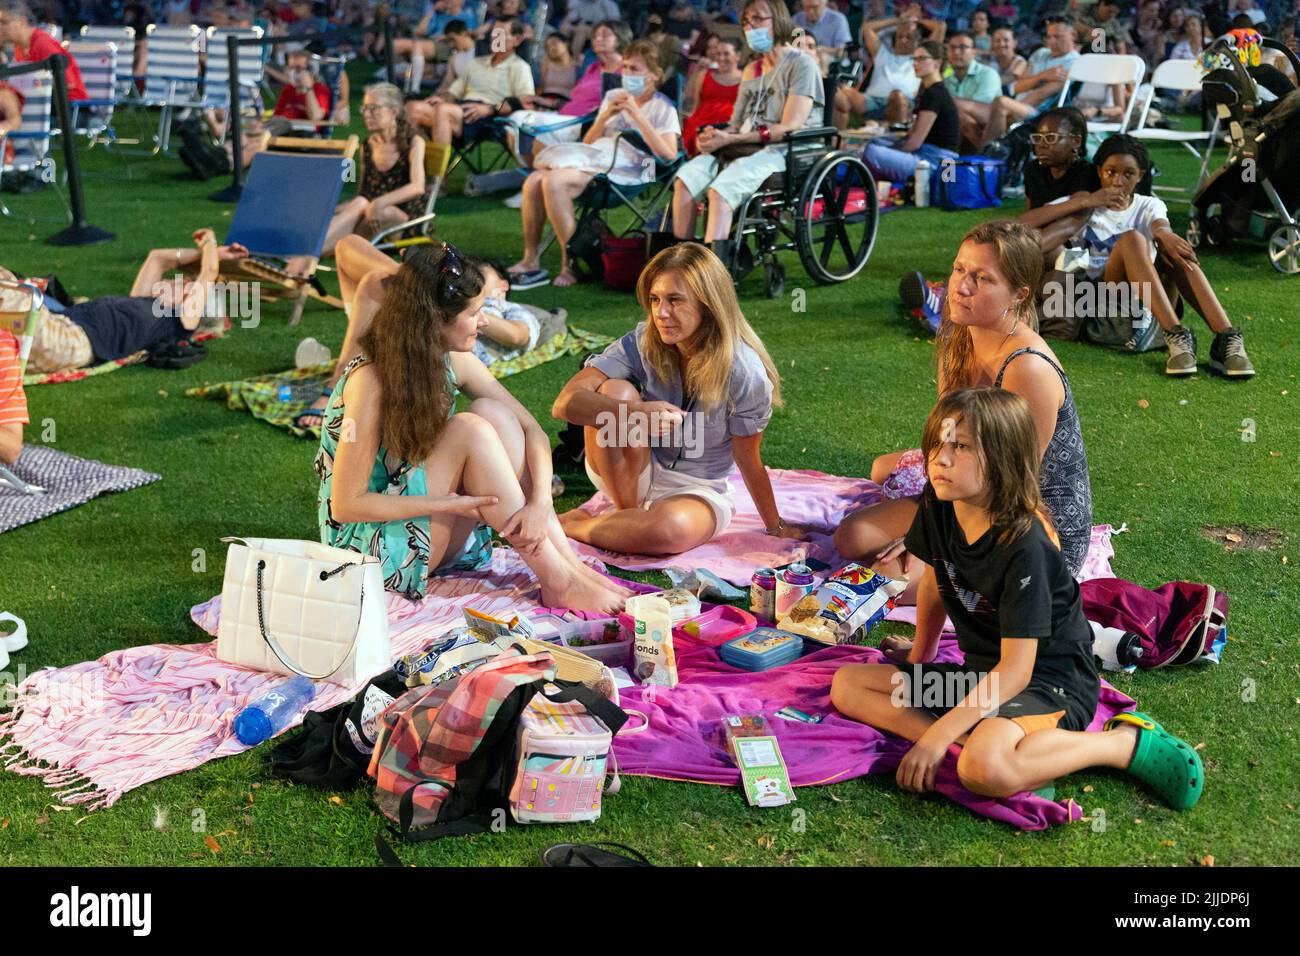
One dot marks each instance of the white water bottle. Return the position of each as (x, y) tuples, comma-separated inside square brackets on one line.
[(922, 188)]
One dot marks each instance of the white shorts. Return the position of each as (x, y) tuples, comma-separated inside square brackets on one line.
[(657, 483), (739, 180), (524, 120)]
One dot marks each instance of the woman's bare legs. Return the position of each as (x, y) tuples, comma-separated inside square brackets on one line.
[(559, 189), (683, 211), (511, 434), (719, 221), (347, 216), (353, 258), (470, 459), (533, 213), (669, 526)]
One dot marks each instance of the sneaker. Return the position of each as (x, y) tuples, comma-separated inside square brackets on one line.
[(1228, 355), (529, 280), (923, 299), (1146, 333), (516, 201), (1182, 351)]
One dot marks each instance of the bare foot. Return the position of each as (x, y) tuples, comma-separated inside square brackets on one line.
[(608, 583), (526, 265), (581, 594), (298, 265), (565, 278)]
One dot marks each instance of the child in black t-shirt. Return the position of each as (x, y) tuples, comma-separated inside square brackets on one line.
[(1028, 687)]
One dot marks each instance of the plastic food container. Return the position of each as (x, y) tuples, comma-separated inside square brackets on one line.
[(762, 650), (717, 626), (602, 638), (681, 602)]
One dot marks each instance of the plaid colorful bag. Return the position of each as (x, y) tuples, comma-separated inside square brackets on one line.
[(447, 755)]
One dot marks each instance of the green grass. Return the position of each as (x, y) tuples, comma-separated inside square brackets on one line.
[(859, 381)]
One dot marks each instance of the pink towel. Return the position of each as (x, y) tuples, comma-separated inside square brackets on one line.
[(95, 730), (683, 740), (804, 497)]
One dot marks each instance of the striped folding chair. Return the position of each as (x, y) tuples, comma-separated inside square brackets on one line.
[(172, 74), (124, 39), (216, 72), (98, 63), (20, 314), (31, 141)]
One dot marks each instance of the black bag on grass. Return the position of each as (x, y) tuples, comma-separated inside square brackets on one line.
[(334, 746), (586, 247)]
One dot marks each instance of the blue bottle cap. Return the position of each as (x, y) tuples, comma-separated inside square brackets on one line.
[(252, 726)]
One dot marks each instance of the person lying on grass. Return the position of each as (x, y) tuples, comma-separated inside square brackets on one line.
[(406, 478), (988, 337), (1020, 703), (364, 272), (1128, 239), (161, 309), (669, 408)]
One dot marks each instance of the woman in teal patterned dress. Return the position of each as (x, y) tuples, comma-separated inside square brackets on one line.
[(407, 479)]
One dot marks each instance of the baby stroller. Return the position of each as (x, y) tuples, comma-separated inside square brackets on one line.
[(1251, 194)]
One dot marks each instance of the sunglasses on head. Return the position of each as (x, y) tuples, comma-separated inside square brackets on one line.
[(450, 269)]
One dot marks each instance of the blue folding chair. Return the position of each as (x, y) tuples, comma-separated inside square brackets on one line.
[(284, 212)]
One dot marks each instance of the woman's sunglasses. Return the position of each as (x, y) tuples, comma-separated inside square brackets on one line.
[(451, 269)]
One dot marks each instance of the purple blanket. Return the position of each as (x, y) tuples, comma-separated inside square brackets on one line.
[(684, 739)]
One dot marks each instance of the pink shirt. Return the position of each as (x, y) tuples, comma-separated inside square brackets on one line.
[(587, 92)]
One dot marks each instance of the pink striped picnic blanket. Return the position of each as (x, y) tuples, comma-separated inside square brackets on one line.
[(806, 497), (93, 731)]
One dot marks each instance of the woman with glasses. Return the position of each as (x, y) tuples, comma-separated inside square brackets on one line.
[(781, 92), (1060, 168), (392, 185), (408, 479), (936, 129)]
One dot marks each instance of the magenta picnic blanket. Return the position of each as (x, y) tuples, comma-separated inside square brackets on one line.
[(684, 738), (805, 497)]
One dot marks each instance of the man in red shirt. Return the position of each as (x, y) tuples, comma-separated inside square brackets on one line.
[(31, 44)]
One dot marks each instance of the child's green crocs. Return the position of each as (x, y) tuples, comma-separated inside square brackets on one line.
[(1172, 768)]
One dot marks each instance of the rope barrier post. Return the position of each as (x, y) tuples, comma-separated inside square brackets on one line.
[(80, 233), (236, 188)]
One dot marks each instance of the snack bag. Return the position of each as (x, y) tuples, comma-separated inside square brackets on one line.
[(652, 641), (846, 606)]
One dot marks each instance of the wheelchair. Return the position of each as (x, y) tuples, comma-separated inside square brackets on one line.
[(823, 205)]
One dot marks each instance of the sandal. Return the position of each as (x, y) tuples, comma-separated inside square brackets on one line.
[(1166, 763), (314, 411), (591, 854)]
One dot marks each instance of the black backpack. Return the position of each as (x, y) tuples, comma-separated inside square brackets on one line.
[(334, 746), (586, 246)]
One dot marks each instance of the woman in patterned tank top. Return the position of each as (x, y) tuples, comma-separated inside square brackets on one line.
[(989, 337)]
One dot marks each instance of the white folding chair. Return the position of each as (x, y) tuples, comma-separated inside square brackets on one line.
[(1106, 69), (124, 39), (171, 74), (1184, 76), (31, 141), (216, 72)]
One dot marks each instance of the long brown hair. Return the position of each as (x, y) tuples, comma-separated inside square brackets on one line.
[(405, 345), (1002, 429), (723, 328), (1020, 260)]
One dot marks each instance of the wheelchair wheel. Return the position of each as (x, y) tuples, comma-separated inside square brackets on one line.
[(835, 223), (773, 279)]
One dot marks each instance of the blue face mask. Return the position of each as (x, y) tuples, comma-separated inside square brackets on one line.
[(759, 39), (634, 84)]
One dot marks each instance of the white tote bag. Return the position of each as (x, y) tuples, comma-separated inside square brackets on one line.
[(301, 607)]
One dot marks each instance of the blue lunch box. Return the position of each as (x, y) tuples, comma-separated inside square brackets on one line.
[(762, 650)]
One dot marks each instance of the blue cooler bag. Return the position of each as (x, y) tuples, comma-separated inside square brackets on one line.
[(968, 182)]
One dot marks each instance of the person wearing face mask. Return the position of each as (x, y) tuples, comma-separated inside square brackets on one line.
[(550, 190), (712, 92), (781, 91), (670, 409), (421, 486)]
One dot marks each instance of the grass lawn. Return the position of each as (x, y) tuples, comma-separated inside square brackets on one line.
[(1167, 457)]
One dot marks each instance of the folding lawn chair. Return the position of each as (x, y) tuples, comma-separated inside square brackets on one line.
[(172, 73), (124, 39), (20, 314), (284, 212), (1184, 76), (216, 73), (98, 63), (31, 141), (436, 161), (1106, 69)]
